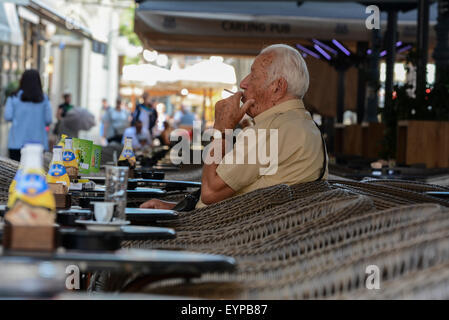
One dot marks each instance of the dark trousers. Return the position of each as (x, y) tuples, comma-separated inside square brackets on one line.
[(14, 154)]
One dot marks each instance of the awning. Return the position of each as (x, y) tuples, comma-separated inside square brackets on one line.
[(9, 24), (49, 14), (244, 27)]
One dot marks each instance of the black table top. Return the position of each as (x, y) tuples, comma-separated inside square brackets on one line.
[(132, 214), (128, 232), (135, 192), (154, 262), (150, 215), (167, 184)]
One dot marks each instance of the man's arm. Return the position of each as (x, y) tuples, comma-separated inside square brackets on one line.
[(213, 188), (227, 114)]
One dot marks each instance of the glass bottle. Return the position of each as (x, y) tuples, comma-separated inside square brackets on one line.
[(128, 153), (57, 172), (68, 155), (31, 186)]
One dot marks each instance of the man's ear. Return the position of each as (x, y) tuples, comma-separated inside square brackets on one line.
[(281, 87)]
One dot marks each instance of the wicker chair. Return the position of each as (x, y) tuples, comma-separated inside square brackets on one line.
[(407, 184), (8, 170), (304, 190), (333, 276), (231, 239), (389, 192), (232, 210)]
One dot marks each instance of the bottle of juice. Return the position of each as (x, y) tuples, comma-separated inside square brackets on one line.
[(68, 155), (57, 172), (31, 186), (128, 153)]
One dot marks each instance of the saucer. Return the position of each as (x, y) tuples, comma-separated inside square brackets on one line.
[(93, 225)]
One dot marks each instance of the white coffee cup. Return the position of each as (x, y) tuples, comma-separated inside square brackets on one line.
[(103, 211)]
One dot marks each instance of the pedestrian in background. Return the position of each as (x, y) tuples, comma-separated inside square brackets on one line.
[(30, 112), (63, 108), (146, 113), (115, 122), (104, 109)]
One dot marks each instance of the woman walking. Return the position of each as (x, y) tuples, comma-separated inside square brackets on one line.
[(30, 112)]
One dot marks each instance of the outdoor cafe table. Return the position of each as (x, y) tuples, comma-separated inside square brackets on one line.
[(129, 232), (165, 184), (133, 214), (136, 193), (151, 264)]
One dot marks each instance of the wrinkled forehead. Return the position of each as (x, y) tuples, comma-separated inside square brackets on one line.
[(263, 60)]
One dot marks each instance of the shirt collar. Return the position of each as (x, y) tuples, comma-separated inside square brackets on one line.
[(280, 108)]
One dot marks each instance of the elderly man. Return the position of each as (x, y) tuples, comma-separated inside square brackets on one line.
[(272, 96)]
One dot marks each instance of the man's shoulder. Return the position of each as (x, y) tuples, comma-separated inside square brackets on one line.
[(292, 119)]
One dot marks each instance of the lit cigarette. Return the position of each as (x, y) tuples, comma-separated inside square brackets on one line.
[(229, 91)]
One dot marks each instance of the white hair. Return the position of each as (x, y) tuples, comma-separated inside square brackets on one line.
[(290, 65)]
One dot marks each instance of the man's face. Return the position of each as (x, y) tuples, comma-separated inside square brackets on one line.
[(255, 86), (68, 99)]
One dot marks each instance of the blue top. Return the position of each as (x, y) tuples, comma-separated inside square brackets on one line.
[(187, 119), (29, 120)]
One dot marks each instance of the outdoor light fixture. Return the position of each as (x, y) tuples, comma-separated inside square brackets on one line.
[(323, 53), (324, 46), (408, 47), (383, 53), (309, 52), (341, 47), (162, 60), (150, 56)]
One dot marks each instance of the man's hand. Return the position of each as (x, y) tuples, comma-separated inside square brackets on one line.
[(228, 112), (158, 204)]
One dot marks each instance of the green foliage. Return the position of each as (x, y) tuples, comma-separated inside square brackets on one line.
[(127, 26), (11, 88)]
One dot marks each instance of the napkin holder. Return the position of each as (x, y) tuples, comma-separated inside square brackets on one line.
[(62, 199), (72, 172), (29, 238)]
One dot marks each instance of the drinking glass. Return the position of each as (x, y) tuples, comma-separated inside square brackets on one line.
[(116, 186)]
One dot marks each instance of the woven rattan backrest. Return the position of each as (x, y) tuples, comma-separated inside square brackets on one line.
[(348, 231), (389, 191), (304, 190), (407, 185), (265, 230), (419, 254), (264, 210)]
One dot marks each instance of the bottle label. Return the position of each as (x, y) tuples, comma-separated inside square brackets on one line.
[(57, 170), (128, 153), (68, 156), (32, 185)]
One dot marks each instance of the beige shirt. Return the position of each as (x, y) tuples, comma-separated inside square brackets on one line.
[(299, 151)]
